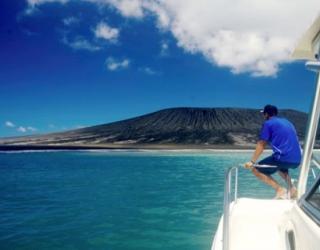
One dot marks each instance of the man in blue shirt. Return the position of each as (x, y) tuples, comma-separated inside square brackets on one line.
[(281, 135)]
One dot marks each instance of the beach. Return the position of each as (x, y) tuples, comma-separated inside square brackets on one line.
[(8, 147)]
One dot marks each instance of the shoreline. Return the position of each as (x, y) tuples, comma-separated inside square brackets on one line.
[(141, 147), (12, 148)]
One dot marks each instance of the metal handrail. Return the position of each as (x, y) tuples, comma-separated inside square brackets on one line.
[(227, 202), (228, 198)]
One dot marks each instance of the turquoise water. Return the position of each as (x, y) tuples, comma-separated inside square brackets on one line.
[(115, 200)]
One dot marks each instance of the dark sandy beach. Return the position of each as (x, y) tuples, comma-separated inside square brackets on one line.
[(5, 147)]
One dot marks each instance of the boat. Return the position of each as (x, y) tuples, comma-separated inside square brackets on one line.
[(289, 224)]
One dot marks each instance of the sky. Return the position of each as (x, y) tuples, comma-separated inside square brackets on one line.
[(67, 64)]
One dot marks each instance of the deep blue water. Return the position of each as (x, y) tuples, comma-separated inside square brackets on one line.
[(115, 200)]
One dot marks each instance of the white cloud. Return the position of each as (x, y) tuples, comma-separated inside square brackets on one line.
[(114, 64), (80, 43), (243, 35), (22, 129), (32, 129), (149, 71), (104, 31), (128, 8), (70, 20), (164, 48), (9, 124), (79, 126), (34, 3)]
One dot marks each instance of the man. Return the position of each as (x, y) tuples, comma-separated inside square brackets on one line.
[(282, 137)]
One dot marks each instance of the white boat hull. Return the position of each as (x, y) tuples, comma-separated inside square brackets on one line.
[(257, 224)]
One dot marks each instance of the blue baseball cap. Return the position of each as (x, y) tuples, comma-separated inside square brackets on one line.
[(270, 110)]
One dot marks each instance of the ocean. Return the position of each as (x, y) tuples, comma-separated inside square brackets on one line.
[(116, 200)]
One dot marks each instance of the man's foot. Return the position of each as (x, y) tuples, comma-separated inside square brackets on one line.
[(281, 194), (293, 193)]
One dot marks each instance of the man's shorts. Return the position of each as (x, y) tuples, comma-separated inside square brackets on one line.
[(280, 166)]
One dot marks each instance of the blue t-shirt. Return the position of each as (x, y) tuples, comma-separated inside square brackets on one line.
[(282, 137)]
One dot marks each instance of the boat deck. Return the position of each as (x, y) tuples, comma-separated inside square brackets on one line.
[(256, 224)]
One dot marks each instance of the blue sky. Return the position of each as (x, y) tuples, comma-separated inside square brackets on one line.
[(67, 64)]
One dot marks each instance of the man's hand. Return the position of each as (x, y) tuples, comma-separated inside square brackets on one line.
[(248, 165), (259, 149)]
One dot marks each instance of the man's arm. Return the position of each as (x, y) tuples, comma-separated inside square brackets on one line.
[(259, 149)]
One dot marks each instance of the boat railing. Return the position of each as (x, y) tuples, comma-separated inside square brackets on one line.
[(231, 172)]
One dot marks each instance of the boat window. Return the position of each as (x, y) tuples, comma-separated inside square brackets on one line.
[(310, 202), (314, 170), (314, 197)]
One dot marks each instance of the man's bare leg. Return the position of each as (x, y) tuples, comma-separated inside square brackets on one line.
[(291, 187), (280, 191)]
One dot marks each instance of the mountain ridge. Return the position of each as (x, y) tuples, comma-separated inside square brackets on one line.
[(172, 126)]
